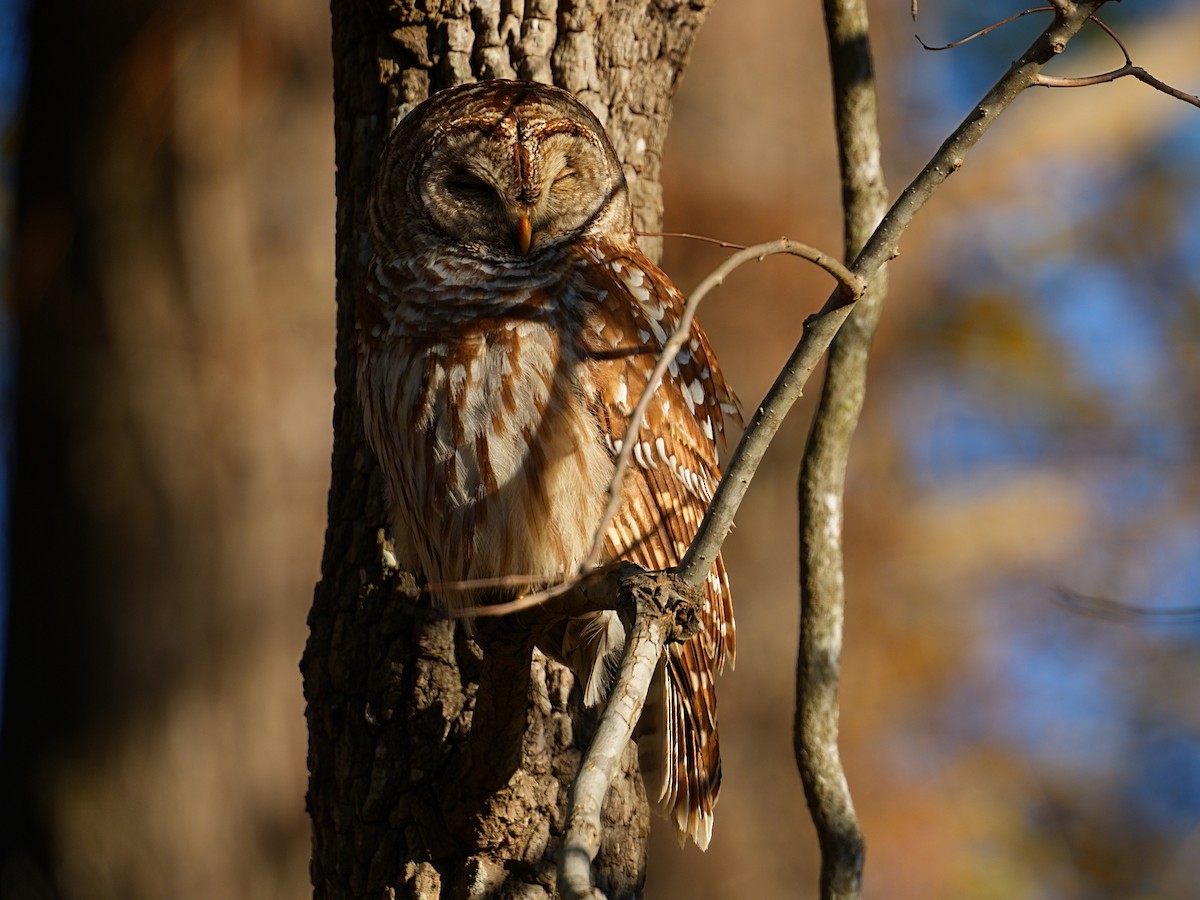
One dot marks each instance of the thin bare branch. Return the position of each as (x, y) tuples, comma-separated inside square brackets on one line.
[(729, 245), (573, 596), (477, 584), (1126, 71), (1120, 43), (580, 848), (703, 552), (981, 32), (1119, 611)]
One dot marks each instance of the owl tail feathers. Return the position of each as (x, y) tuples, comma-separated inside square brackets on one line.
[(677, 735), (678, 750)]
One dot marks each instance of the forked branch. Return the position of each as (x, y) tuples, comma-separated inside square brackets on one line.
[(1128, 70)]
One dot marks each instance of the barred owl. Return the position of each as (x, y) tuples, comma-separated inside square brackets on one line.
[(508, 329)]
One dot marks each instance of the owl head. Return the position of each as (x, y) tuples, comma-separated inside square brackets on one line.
[(498, 170)]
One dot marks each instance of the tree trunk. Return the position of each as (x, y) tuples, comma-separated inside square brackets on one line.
[(390, 686)]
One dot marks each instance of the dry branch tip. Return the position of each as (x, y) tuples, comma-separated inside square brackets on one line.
[(982, 31)]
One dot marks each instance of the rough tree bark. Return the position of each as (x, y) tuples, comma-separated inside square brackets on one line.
[(390, 686)]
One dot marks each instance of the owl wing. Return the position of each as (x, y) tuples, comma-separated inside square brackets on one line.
[(665, 495)]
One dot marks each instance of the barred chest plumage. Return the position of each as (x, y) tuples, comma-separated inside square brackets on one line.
[(482, 390)]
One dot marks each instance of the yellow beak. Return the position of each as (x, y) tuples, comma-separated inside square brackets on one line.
[(524, 233)]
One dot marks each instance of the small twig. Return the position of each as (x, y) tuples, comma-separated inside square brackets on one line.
[(1119, 611), (573, 596), (525, 601), (1126, 71), (476, 584), (981, 32), (729, 245), (1120, 43)]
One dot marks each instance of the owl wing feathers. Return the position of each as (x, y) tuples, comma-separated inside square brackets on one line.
[(665, 496)]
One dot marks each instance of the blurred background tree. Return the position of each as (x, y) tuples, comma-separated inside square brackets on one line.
[(172, 290), (1031, 427)]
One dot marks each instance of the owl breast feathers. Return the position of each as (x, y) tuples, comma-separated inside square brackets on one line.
[(509, 329)]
